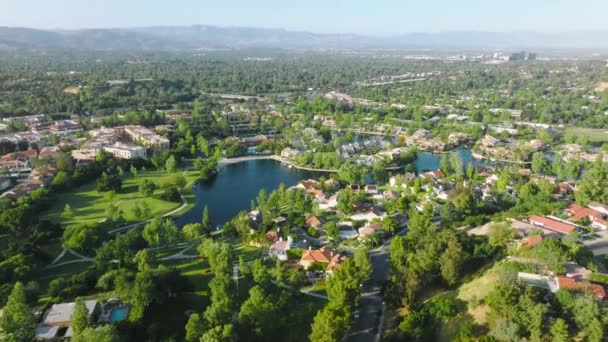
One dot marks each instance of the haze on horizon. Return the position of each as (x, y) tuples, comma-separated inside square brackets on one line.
[(380, 17)]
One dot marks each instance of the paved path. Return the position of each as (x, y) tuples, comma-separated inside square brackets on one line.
[(180, 255)]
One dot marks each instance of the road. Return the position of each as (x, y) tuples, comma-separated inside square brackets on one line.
[(368, 327)]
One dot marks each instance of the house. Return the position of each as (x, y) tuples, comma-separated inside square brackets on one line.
[(369, 215), (324, 255), (531, 241), (433, 175), (371, 189), (369, 230), (289, 153), (279, 220), (555, 283), (308, 185), (489, 141), (577, 212), (272, 236), (571, 284), (57, 320), (49, 152), (315, 221), (327, 203), (279, 249), (560, 227), (390, 195), (256, 217)]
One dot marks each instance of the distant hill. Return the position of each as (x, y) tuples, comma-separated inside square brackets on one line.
[(200, 37)]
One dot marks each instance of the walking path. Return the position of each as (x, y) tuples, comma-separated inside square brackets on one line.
[(180, 255)]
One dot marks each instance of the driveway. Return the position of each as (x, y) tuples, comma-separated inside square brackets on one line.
[(599, 244)]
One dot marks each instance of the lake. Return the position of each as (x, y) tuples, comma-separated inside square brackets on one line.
[(431, 161), (233, 188)]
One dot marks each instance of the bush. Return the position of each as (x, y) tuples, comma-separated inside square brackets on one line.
[(171, 194)]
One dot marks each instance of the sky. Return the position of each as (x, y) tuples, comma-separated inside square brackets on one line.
[(371, 17)]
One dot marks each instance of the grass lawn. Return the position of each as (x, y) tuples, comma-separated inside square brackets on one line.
[(476, 290), (594, 134), (89, 206)]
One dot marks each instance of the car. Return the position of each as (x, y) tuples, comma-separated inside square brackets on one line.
[(356, 314)]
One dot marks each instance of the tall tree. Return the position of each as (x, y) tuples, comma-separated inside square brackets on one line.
[(206, 222), (171, 164), (195, 328), (17, 320), (80, 317)]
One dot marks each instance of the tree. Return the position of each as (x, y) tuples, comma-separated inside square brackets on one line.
[(82, 237), (133, 170), (17, 319), (559, 331), (329, 325), (333, 232), (220, 333), (144, 260), (67, 211), (258, 313), (192, 231), (539, 162), (206, 222), (152, 232), (449, 262), (500, 234), (110, 182), (145, 209), (104, 333), (390, 225), (147, 188), (363, 263), (195, 328), (80, 317), (171, 164), (203, 144)]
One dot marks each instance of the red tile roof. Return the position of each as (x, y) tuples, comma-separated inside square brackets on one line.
[(551, 224), (578, 212), (532, 240), (571, 284)]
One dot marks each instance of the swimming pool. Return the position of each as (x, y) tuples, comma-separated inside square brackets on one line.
[(118, 314)]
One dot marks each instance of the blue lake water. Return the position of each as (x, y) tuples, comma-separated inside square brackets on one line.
[(431, 161), (233, 188)]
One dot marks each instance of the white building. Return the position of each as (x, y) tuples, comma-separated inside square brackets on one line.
[(124, 151)]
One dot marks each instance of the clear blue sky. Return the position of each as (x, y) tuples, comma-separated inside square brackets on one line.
[(376, 17)]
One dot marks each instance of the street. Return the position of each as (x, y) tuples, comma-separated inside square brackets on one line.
[(367, 328)]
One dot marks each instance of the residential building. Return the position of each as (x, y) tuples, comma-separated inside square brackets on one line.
[(324, 255), (315, 221), (146, 137), (557, 226), (125, 151), (279, 249), (57, 320)]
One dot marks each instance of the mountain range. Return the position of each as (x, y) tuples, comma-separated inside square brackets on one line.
[(214, 37)]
